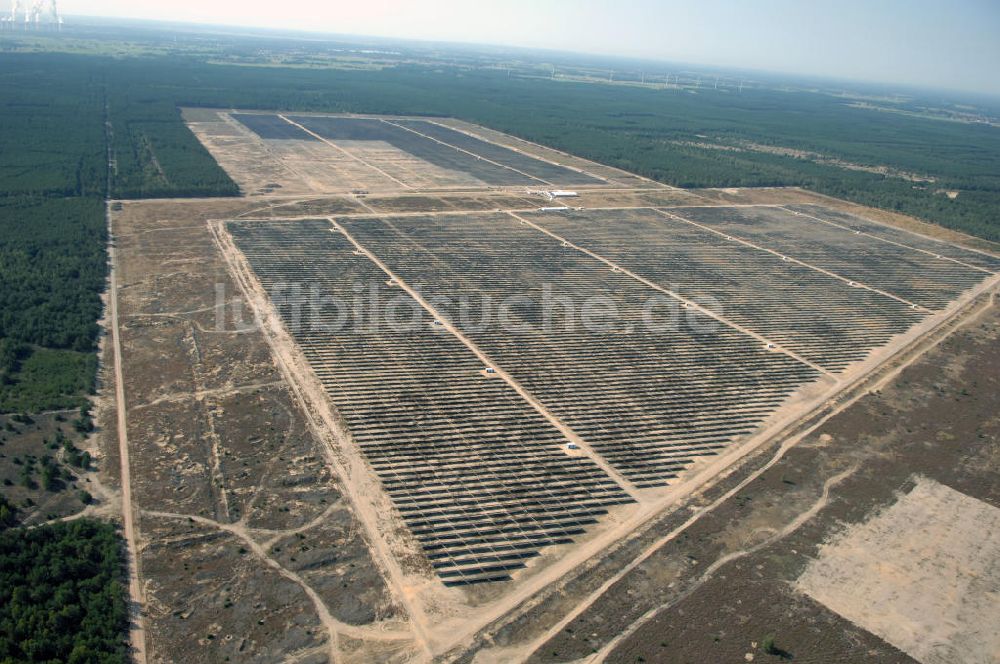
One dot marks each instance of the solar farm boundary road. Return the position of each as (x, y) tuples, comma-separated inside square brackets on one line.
[(137, 633), (292, 199), (370, 503), (255, 214), (689, 304), (733, 238), (289, 198), (888, 241), (340, 149), (563, 428), (471, 154)]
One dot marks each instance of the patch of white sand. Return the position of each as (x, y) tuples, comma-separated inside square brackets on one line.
[(924, 575)]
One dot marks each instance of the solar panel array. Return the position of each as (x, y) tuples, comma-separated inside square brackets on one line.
[(543, 170), (481, 479), (818, 316), (891, 234), (649, 398), (438, 145), (272, 127), (912, 275)]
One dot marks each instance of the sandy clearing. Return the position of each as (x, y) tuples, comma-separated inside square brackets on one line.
[(937, 597)]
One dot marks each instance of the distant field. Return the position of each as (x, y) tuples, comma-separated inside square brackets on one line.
[(764, 133)]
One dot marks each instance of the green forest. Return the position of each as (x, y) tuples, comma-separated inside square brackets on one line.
[(59, 117), (61, 593)]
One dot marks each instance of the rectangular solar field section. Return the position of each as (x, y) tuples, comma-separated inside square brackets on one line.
[(551, 173), (650, 398), (341, 130), (819, 317), (908, 274), (272, 127), (883, 232), (480, 478)]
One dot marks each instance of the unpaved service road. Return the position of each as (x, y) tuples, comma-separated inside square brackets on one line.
[(247, 547)]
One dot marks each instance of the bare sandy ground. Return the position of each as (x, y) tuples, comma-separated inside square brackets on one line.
[(936, 596)]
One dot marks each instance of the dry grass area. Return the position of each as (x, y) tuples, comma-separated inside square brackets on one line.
[(25, 443), (248, 549)]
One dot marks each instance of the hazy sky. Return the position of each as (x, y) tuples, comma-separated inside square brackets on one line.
[(952, 44)]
